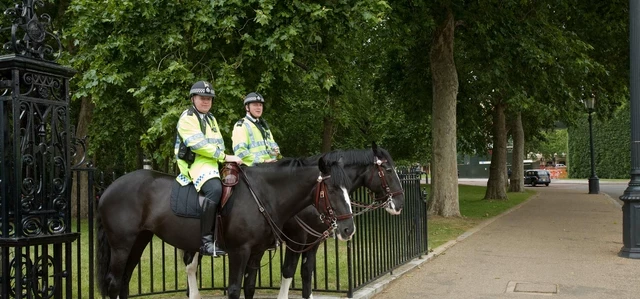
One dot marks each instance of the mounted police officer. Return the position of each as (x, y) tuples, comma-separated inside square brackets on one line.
[(199, 149), (252, 139)]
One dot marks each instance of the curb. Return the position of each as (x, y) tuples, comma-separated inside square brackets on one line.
[(379, 285), (612, 200)]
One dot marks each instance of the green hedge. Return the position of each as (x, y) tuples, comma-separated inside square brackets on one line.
[(612, 146)]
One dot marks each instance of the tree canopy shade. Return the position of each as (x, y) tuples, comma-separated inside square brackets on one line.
[(523, 59), (423, 78), (142, 56)]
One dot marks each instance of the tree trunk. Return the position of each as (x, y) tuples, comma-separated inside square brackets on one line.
[(327, 127), (496, 188), (516, 181), (444, 169), (82, 129)]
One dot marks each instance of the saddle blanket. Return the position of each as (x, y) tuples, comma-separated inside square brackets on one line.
[(185, 201)]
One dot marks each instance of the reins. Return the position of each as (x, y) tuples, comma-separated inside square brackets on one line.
[(330, 220), (328, 217)]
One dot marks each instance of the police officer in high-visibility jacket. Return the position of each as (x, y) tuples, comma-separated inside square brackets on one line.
[(199, 148), (252, 139)]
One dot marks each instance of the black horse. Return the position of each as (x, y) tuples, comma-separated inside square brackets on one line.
[(371, 168), (136, 206)]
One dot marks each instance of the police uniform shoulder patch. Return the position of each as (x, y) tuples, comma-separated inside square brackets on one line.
[(240, 122)]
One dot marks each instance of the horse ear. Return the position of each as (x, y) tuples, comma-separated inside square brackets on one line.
[(322, 165), (374, 147)]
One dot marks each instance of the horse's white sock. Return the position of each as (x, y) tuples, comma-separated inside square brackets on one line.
[(284, 288), (192, 268)]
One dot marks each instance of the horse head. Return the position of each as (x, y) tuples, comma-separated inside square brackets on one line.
[(332, 198), (389, 188)]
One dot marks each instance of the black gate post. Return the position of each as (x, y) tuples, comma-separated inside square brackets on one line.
[(35, 175)]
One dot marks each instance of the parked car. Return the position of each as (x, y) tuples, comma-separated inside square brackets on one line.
[(534, 177)]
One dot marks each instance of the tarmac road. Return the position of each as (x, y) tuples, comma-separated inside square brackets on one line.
[(613, 189)]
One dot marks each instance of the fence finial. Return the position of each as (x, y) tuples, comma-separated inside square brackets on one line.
[(29, 35)]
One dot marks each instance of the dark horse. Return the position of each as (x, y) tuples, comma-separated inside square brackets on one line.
[(136, 206), (372, 168)]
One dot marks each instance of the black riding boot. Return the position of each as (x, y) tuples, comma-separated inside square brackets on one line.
[(207, 221)]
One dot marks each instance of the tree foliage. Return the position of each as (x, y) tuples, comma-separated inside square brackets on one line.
[(138, 59), (550, 144), (361, 66)]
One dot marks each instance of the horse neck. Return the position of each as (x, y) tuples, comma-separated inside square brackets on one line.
[(291, 200), (355, 168), (357, 174)]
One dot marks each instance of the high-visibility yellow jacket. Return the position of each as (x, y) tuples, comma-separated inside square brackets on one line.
[(249, 143), (208, 147)]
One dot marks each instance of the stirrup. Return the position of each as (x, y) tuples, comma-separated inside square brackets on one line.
[(217, 252)]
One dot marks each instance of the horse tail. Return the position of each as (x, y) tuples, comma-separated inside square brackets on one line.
[(103, 257)]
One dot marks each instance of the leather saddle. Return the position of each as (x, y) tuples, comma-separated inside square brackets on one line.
[(229, 177)]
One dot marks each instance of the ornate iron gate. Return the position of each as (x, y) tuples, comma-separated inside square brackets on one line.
[(35, 174)]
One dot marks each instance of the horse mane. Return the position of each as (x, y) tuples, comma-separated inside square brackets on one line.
[(360, 157), (338, 176), (285, 163)]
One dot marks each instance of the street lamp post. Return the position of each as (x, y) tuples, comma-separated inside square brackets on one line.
[(631, 196), (594, 181)]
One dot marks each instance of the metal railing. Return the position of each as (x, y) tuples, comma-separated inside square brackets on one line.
[(382, 243)]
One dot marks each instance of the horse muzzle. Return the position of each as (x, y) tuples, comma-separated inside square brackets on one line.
[(345, 232), (393, 209)]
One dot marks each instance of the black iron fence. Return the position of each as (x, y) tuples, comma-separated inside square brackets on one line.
[(382, 243)]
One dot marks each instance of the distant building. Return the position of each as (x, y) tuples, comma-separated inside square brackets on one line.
[(478, 166)]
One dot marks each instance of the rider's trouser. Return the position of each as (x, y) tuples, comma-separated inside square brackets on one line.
[(212, 190)]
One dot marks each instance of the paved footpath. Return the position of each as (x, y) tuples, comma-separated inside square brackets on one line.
[(560, 243)]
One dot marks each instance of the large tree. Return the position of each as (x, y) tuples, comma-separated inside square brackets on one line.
[(444, 184), (521, 57), (138, 58)]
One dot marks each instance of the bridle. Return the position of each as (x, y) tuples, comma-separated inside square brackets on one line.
[(384, 200), (327, 215)]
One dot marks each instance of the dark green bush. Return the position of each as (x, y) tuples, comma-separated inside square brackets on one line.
[(611, 142)]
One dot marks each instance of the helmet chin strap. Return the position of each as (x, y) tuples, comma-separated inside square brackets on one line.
[(193, 103)]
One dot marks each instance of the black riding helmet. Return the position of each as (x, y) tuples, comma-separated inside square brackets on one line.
[(202, 88), (253, 97)]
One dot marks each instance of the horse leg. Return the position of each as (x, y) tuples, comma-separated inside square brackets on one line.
[(250, 274), (137, 249), (288, 271), (117, 264), (237, 263), (191, 260), (306, 268)]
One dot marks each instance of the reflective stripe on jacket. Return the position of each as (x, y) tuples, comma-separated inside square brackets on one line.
[(208, 147), (249, 144)]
